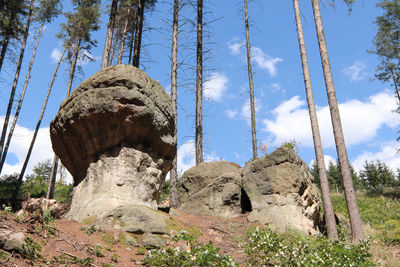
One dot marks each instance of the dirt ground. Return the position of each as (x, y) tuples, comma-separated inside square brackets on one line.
[(67, 243)]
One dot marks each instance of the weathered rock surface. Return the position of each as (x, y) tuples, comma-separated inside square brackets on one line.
[(212, 188), (115, 135), (281, 191), (11, 240)]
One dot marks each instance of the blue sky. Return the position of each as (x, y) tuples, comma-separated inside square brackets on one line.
[(366, 105)]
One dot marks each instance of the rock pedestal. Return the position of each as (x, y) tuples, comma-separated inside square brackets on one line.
[(115, 135)]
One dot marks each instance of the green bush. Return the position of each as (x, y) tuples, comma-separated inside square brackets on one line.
[(198, 255), (266, 248)]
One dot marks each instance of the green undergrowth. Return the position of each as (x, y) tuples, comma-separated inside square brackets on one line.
[(378, 212), (197, 255), (266, 248)]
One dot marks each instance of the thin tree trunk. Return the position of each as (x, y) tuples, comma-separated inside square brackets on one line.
[(252, 103), (28, 155), (122, 44), (138, 34), (14, 123), (53, 176), (354, 215), (396, 89), (326, 197), (52, 181), (199, 84), (131, 49), (174, 199), (14, 86), (110, 29), (112, 54)]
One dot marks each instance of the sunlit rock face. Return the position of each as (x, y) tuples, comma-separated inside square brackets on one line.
[(115, 135)]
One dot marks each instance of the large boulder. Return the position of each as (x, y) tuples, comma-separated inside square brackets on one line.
[(281, 191), (212, 188), (115, 135)]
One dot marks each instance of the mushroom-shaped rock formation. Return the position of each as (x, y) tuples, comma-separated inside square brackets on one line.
[(282, 193), (115, 136)]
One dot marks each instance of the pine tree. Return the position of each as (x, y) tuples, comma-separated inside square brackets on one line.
[(355, 219), (76, 34), (48, 9), (199, 84), (251, 86), (323, 179), (110, 29), (16, 78)]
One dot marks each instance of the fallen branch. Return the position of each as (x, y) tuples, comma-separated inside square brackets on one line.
[(73, 256), (69, 242)]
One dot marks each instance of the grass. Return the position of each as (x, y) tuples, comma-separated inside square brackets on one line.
[(379, 213)]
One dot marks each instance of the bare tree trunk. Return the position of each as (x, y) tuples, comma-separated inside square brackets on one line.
[(326, 197), (199, 84), (252, 103), (110, 29), (52, 181), (112, 54), (14, 86), (174, 199), (131, 49), (138, 34), (14, 123), (28, 155), (122, 44), (354, 215), (76, 48)]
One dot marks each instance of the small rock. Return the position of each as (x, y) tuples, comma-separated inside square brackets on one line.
[(12, 241), (154, 241)]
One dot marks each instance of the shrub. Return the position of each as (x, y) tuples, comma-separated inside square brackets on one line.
[(266, 248)]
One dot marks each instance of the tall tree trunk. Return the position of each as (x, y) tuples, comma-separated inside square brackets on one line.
[(75, 54), (52, 181), (112, 54), (110, 29), (174, 199), (122, 44), (28, 155), (252, 103), (130, 62), (14, 86), (354, 215), (138, 34), (199, 84), (326, 197), (14, 123)]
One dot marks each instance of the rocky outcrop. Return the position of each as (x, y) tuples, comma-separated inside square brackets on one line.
[(281, 191), (277, 190), (115, 136), (212, 188), (11, 240)]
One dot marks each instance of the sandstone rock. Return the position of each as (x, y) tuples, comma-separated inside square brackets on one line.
[(11, 240), (154, 241), (115, 136), (281, 191)]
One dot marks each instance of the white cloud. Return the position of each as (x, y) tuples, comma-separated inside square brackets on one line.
[(235, 47), (231, 113), (246, 112), (360, 120), (264, 61), (20, 142), (388, 154), (355, 71), (55, 55), (216, 86), (186, 158)]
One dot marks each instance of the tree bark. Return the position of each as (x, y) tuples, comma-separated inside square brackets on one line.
[(76, 48), (199, 84), (354, 215), (28, 154), (123, 37), (326, 197), (251, 86), (5, 42), (174, 199), (52, 181), (14, 86), (14, 123), (138, 34), (110, 29)]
